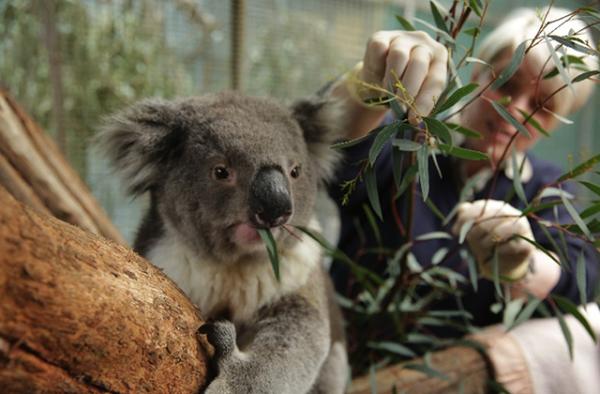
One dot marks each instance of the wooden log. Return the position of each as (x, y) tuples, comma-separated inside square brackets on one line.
[(39, 162), (82, 314), (16, 185), (466, 369)]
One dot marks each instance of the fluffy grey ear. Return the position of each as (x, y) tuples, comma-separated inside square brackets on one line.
[(140, 141), (320, 119)]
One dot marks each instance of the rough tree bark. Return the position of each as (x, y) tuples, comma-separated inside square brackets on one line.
[(34, 170), (82, 314)]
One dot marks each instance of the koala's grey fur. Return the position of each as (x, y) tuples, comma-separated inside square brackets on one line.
[(269, 336)]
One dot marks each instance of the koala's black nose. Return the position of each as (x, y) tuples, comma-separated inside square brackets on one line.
[(270, 202)]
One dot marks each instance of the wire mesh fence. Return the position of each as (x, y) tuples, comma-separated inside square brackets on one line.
[(71, 62)]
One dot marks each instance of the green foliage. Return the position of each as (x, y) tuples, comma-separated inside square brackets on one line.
[(267, 237), (109, 57), (392, 321)]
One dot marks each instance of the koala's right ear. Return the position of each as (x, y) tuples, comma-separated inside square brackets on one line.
[(140, 141), (320, 118)]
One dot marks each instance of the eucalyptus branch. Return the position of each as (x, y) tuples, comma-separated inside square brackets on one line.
[(474, 38)]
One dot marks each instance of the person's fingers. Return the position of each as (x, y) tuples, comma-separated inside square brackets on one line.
[(514, 252), (374, 61), (460, 219), (416, 71), (431, 89), (495, 235), (397, 59)]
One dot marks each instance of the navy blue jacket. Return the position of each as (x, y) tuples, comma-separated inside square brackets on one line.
[(357, 236)]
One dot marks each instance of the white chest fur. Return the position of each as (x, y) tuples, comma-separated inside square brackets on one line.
[(244, 288)]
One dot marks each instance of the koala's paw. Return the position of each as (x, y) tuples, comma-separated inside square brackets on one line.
[(221, 335)]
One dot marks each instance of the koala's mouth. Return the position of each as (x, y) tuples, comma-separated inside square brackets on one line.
[(246, 234)]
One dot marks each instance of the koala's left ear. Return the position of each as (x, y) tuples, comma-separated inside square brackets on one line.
[(320, 119), (141, 140)]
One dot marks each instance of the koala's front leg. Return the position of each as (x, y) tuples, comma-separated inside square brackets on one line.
[(289, 343)]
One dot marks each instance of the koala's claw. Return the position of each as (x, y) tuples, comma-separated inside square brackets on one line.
[(221, 335)]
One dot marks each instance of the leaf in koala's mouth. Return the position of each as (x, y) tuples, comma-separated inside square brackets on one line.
[(269, 241)]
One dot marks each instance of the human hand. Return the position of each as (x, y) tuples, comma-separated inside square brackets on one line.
[(495, 225), (413, 58)]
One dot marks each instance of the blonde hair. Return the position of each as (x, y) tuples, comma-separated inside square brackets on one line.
[(522, 25)]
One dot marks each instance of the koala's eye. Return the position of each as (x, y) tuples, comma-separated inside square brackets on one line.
[(295, 173), (221, 173)]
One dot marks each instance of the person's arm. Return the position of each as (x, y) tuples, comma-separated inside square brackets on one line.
[(413, 58)]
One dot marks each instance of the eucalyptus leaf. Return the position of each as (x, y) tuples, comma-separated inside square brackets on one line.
[(589, 211), (409, 175), (533, 122), (472, 265), (372, 191), (412, 263), (581, 275), (463, 153), (438, 129), (392, 347), (569, 42), (433, 235), (510, 119), (398, 159), (381, 138), (565, 330), (580, 169), (496, 307), (560, 118), (418, 338), (355, 141), (473, 31), (437, 17), (526, 312), (372, 223), (511, 311), (434, 209), (475, 5), (559, 66), (441, 32), (580, 223), (405, 23), (585, 75), (437, 169), (472, 59), (450, 313), (538, 246), (406, 145), (555, 192), (513, 66), (463, 130), (439, 255), (536, 207), (423, 164), (271, 246), (464, 229), (456, 96), (517, 178), (591, 186), (496, 273)]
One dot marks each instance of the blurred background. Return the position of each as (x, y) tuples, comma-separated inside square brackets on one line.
[(69, 63)]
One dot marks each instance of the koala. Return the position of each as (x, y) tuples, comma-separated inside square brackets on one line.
[(217, 168)]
